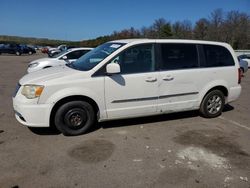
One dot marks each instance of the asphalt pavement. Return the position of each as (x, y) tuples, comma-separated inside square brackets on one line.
[(174, 150)]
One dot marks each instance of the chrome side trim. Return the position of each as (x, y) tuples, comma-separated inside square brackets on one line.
[(153, 98)]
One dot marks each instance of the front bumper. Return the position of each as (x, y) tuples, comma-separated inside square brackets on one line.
[(31, 115)]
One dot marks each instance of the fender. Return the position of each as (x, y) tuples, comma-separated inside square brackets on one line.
[(210, 85), (67, 92)]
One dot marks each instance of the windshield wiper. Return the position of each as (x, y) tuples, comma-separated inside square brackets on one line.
[(70, 65)]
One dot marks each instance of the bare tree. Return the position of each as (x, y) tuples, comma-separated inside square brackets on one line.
[(182, 30), (232, 27), (201, 29), (236, 29), (215, 25)]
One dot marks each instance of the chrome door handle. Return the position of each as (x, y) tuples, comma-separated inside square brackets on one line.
[(151, 79), (168, 78)]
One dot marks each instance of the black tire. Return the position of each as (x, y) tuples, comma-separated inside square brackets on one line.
[(30, 52), (75, 118), (212, 104)]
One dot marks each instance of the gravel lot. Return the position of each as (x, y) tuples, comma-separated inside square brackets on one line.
[(175, 150)]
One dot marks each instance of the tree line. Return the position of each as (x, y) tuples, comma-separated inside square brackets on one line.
[(232, 27)]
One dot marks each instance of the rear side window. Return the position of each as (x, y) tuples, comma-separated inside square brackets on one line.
[(179, 56), (217, 56)]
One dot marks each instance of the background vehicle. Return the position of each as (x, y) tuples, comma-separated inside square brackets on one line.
[(243, 65), (11, 49), (45, 49), (62, 58), (245, 57), (53, 51), (27, 49)]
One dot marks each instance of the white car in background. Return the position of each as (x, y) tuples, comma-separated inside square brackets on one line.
[(62, 58), (245, 57)]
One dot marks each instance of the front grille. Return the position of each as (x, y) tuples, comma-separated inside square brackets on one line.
[(16, 90)]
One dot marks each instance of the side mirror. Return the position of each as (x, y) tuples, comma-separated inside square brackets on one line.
[(65, 57), (113, 68)]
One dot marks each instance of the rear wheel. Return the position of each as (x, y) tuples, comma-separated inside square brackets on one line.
[(30, 53), (75, 118), (212, 104)]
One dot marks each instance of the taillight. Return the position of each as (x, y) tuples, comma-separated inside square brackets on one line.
[(240, 74)]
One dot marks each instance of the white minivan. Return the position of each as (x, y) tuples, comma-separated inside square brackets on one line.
[(130, 78)]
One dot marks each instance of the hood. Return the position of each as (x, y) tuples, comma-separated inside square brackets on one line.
[(44, 75), (41, 60)]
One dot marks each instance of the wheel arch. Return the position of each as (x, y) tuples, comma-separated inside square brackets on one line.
[(68, 99), (221, 88)]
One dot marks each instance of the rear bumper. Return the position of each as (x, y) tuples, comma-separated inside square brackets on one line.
[(234, 93)]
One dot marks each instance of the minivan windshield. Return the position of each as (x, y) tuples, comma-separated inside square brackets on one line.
[(94, 57)]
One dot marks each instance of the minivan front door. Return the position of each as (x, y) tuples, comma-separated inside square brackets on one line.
[(132, 92)]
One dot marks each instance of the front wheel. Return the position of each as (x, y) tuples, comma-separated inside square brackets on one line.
[(212, 104), (75, 118)]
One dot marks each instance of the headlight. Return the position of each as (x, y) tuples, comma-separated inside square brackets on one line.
[(33, 65), (32, 91)]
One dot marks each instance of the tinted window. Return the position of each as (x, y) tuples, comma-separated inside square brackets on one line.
[(217, 56), (245, 56), (76, 54), (179, 56), (136, 59)]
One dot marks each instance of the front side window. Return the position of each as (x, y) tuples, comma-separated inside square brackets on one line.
[(217, 56), (136, 59), (94, 57), (179, 56)]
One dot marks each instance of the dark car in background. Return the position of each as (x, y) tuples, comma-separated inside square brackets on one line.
[(16, 49), (27, 49), (11, 49)]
